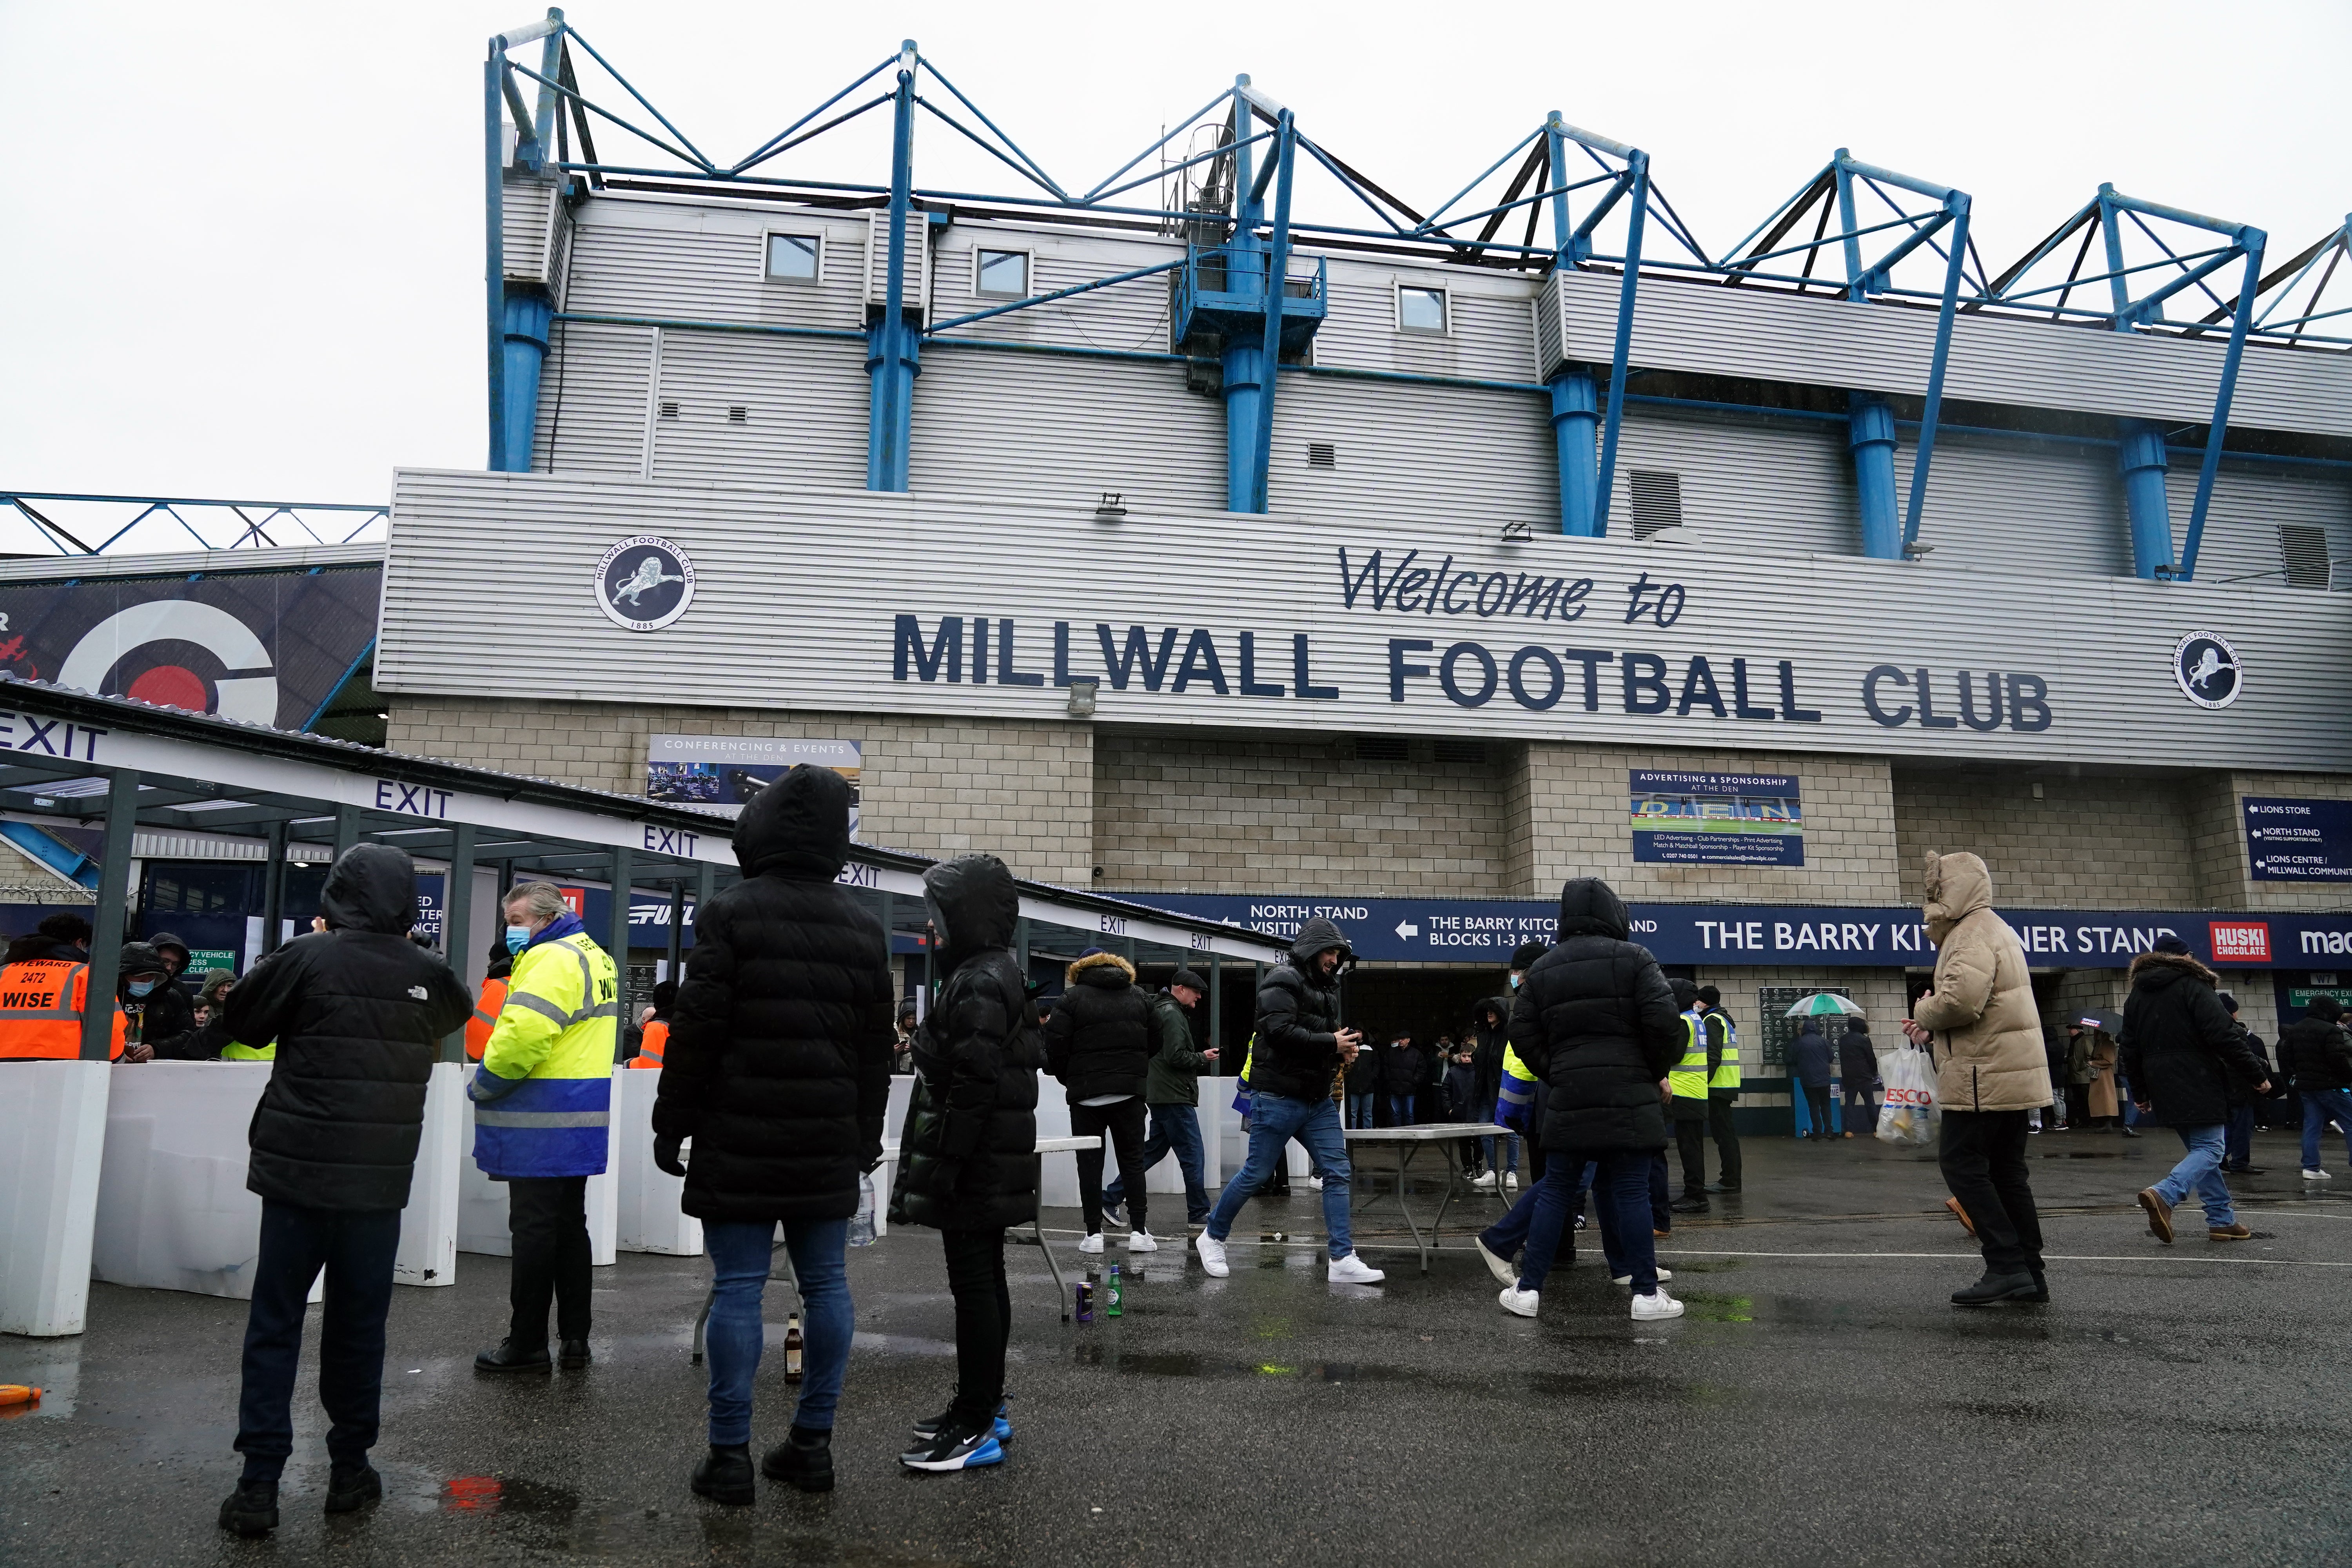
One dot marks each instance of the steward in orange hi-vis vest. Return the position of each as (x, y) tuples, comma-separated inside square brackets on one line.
[(41, 1003), (649, 1050)]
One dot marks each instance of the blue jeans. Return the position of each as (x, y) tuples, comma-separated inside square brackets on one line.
[(2200, 1171), (1400, 1110), (2238, 1144), (1177, 1128), (355, 1248), (1620, 1185), (1510, 1145), (1359, 1110), (2320, 1107), (1274, 1120), (739, 1258)]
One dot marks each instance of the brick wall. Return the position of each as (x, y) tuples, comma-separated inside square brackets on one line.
[(1243, 814), (2088, 842), (1568, 813), (937, 787)]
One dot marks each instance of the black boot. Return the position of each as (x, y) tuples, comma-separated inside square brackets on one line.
[(804, 1459), (252, 1509), (575, 1354), (1994, 1287), (1689, 1202), (725, 1475), (2040, 1288), (350, 1489), (512, 1357)]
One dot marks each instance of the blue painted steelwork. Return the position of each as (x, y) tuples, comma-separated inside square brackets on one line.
[(1837, 188), (63, 860), (2141, 462), (892, 359), (253, 518), (527, 312), (2105, 217)]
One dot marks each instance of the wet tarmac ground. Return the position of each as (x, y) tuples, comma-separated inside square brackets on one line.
[(1820, 1403)]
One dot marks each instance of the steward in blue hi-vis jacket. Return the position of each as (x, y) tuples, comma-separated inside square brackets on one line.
[(543, 1097)]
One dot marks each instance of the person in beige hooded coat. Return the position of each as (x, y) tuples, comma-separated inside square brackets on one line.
[(1981, 1022)]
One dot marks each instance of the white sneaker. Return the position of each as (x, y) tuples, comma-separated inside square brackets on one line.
[(1511, 1180), (1212, 1255), (1092, 1244), (1522, 1303), (1650, 1309), (1500, 1267), (1628, 1278), (1141, 1241), (1484, 1181), (2315, 1174), (1315, 1182), (1353, 1270)]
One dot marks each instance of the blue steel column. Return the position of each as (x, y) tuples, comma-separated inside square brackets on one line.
[(891, 351), (1637, 165), (523, 350), (2140, 459), (1244, 359), (1575, 394), (1277, 266), (1870, 434)]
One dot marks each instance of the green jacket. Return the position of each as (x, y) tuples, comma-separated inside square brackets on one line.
[(1174, 1076)]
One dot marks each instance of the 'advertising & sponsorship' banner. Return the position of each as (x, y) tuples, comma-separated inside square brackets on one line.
[(1716, 819)]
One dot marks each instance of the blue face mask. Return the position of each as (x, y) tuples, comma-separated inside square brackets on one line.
[(517, 937), (141, 987)]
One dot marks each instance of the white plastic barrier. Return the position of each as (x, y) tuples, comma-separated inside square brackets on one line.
[(645, 1197), (482, 1203), (1228, 1141), (428, 1226), (49, 1164), (173, 1210)]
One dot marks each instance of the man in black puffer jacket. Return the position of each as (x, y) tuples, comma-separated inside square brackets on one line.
[(967, 1163), (2314, 1048), (1099, 1043), (358, 1012), (778, 1066), (1595, 1021), (2180, 1050), (1300, 1052)]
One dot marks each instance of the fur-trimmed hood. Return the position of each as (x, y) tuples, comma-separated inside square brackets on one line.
[(2156, 970), (1097, 969)]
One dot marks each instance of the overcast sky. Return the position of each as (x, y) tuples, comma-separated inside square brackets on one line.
[(244, 242)]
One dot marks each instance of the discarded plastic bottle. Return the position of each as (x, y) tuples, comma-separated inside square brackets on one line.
[(1111, 1307), (861, 1224), (792, 1344), (19, 1393), (1085, 1310), (1272, 1236)]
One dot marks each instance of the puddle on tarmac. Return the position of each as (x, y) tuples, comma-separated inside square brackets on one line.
[(505, 1495), (1711, 1306), (1165, 1364)]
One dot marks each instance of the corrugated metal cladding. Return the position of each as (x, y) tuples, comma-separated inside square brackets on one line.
[(797, 596), (708, 262), (1462, 454), (527, 223), (1066, 430), (1130, 316), (747, 411), (1883, 346), (595, 400), (2251, 503)]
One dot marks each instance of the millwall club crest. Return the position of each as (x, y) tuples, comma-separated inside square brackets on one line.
[(2207, 668), (645, 582)]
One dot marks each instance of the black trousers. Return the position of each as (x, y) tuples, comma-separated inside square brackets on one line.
[(548, 1217), (356, 1249), (984, 1317), (1726, 1141), (1982, 1154), (1123, 1123), (1817, 1101), (1690, 1142)]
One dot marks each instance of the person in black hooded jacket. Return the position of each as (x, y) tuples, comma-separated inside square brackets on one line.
[(967, 1161), (1099, 1043), (1596, 1021), (2315, 1051), (1301, 1052), (778, 1066), (2180, 1052), (358, 1012)]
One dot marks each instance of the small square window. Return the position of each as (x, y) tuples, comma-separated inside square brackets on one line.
[(1003, 273), (1421, 309), (793, 258)]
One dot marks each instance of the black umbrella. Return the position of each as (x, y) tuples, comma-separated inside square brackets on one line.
[(2105, 1018)]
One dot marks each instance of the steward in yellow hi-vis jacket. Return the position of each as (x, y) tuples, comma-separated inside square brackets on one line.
[(543, 1096)]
